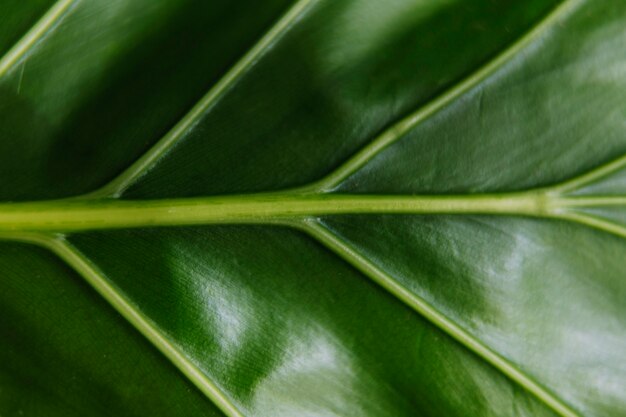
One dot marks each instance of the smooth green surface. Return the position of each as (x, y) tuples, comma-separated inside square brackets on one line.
[(359, 294)]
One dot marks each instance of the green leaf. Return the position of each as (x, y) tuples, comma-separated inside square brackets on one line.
[(312, 208)]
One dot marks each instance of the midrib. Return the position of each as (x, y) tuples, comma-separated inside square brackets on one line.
[(79, 215), (71, 215)]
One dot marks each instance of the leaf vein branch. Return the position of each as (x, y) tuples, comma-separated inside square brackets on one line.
[(400, 128), (147, 161), (84, 267), (351, 255), (36, 32)]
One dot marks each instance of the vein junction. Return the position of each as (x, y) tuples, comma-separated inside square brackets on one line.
[(70, 215)]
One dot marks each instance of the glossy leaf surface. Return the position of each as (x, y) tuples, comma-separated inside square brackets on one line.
[(440, 229)]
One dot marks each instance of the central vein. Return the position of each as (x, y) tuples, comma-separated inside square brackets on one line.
[(75, 214)]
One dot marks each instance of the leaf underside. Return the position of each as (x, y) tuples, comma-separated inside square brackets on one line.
[(400, 208)]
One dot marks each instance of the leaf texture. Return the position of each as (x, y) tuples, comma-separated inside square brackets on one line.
[(442, 309)]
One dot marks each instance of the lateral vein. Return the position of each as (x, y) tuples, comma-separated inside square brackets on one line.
[(400, 128), (47, 21), (590, 177), (84, 267), (344, 250), (119, 184), (594, 222)]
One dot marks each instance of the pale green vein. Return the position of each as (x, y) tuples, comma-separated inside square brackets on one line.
[(21, 48), (130, 312), (588, 201), (400, 128), (595, 223), (118, 185), (71, 215), (590, 177), (35, 238), (345, 251), (57, 244)]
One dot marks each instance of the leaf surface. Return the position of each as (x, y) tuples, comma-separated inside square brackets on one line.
[(346, 208)]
